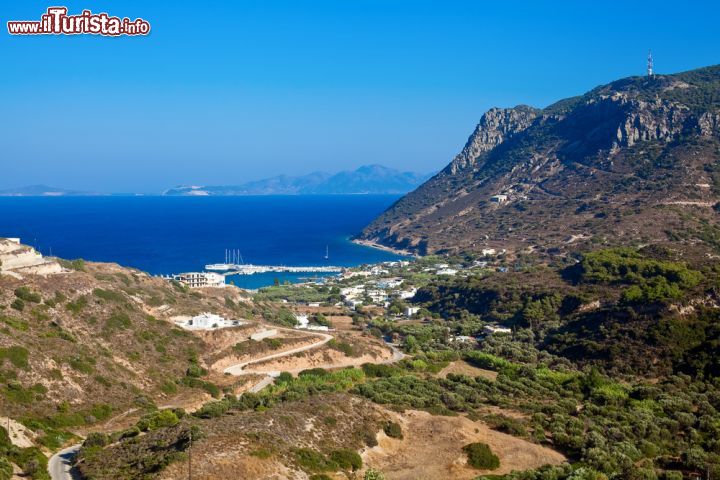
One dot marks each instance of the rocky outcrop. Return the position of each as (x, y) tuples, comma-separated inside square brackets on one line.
[(496, 126), (709, 124)]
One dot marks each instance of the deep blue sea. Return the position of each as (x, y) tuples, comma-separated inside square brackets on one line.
[(165, 235)]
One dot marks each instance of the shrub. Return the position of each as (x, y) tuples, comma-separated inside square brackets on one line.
[(313, 460), (24, 293), (372, 474), (158, 419), (273, 343), (117, 321), (347, 459), (284, 377), (109, 295), (17, 355), (6, 470), (481, 457), (77, 264), (195, 371), (18, 305), (77, 305), (393, 430), (96, 439), (318, 372), (168, 387)]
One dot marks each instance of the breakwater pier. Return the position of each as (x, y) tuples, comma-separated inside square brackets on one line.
[(249, 269)]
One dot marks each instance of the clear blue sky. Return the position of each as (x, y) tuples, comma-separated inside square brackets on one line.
[(226, 92)]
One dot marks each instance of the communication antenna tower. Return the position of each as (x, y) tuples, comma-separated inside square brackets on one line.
[(650, 65)]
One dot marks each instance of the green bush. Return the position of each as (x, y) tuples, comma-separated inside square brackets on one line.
[(109, 295), (372, 474), (158, 419), (313, 460), (347, 459), (18, 305), (6, 470), (272, 343), (118, 321), (16, 355), (481, 457), (96, 439), (24, 293), (393, 430), (77, 264), (77, 305)]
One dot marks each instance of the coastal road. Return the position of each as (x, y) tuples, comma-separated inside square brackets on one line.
[(60, 465)]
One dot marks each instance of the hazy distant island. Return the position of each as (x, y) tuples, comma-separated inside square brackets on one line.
[(368, 179), (43, 191)]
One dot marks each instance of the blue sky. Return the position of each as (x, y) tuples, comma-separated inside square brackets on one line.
[(226, 92)]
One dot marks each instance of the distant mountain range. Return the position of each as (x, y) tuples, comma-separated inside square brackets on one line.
[(369, 179)]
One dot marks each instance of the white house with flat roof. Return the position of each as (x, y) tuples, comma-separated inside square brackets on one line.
[(201, 279)]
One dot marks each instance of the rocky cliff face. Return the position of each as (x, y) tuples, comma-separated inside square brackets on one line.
[(496, 126), (632, 161)]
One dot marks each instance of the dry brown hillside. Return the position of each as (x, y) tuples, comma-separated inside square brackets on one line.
[(97, 340)]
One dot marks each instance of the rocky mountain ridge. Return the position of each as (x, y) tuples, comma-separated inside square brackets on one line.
[(611, 166)]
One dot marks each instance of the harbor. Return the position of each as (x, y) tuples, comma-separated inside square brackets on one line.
[(234, 265), (249, 269)]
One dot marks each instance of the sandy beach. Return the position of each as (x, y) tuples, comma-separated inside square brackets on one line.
[(371, 244)]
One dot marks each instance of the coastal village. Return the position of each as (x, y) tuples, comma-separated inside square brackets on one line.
[(365, 295)]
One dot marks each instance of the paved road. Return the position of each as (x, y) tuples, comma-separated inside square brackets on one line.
[(262, 384), (239, 368), (60, 464)]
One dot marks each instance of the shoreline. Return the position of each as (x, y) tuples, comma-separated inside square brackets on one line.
[(385, 248)]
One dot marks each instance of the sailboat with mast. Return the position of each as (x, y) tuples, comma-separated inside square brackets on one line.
[(233, 258)]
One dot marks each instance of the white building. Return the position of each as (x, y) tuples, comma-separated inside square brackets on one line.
[(207, 321), (447, 271), (303, 323), (410, 311), (405, 294), (500, 198), (201, 279), (353, 302), (494, 329), (16, 259), (302, 320), (462, 339)]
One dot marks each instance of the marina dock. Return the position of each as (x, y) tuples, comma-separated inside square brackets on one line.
[(249, 269), (234, 265)]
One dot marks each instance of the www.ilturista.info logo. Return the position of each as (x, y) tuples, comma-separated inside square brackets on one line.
[(57, 22)]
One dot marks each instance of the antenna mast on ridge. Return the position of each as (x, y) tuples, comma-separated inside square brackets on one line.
[(650, 64)]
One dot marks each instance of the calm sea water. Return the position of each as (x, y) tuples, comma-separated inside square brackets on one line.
[(165, 235)]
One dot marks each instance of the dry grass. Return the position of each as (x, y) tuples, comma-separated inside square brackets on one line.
[(432, 449)]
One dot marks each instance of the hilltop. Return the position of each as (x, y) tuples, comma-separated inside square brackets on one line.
[(634, 161)]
